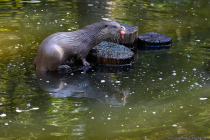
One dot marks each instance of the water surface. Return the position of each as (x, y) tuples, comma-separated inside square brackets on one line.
[(164, 95)]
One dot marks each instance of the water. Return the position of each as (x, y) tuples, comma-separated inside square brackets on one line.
[(164, 95)]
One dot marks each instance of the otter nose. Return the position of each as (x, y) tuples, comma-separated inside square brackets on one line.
[(122, 28), (122, 32)]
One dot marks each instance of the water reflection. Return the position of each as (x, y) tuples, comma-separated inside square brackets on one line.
[(90, 85)]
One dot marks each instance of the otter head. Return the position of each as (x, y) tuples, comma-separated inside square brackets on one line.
[(113, 29)]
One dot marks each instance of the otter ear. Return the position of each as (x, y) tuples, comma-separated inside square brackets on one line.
[(106, 25)]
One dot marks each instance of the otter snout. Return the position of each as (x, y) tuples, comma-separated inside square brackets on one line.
[(122, 32)]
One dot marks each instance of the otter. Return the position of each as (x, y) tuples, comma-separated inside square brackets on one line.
[(58, 47)]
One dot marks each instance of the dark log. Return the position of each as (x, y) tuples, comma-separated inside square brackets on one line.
[(110, 54), (153, 41)]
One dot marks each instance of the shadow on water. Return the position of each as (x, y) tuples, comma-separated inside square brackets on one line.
[(85, 83)]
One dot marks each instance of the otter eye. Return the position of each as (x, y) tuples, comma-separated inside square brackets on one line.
[(115, 26)]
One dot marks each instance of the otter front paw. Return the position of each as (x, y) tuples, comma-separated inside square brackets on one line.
[(86, 63)]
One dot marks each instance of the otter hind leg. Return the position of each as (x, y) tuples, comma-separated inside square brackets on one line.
[(49, 58), (55, 58), (63, 67)]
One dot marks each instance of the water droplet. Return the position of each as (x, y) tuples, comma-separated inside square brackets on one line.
[(3, 115), (28, 105), (203, 99), (34, 108), (174, 125), (174, 74)]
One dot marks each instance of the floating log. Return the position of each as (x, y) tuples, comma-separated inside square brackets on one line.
[(153, 41), (110, 54)]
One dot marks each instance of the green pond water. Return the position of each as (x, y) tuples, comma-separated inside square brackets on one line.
[(165, 95)]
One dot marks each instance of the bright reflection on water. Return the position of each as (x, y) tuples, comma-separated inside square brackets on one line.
[(165, 94)]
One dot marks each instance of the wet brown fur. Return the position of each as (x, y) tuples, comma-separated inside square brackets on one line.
[(58, 47)]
